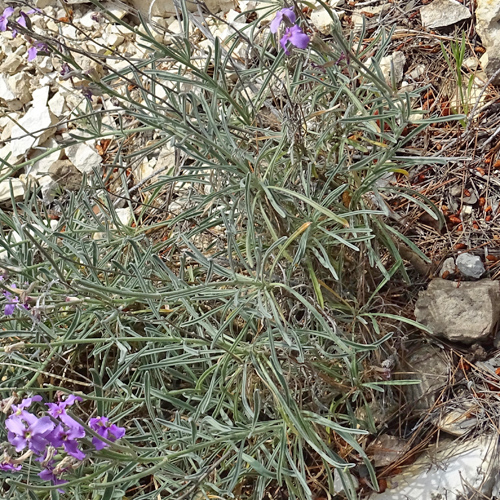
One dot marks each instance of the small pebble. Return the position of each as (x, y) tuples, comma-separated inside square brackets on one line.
[(470, 265), (448, 268)]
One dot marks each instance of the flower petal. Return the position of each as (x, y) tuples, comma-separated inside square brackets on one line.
[(72, 448), (15, 425), (37, 443), (9, 308), (284, 41), (7, 12), (118, 432), (99, 445), (32, 52), (43, 426), (21, 20), (299, 38), (19, 442), (71, 400), (275, 23)]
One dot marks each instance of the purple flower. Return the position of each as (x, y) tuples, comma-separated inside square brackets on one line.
[(108, 431), (58, 410), (67, 438), (33, 435), (288, 13), (4, 17), (49, 474), (296, 37), (33, 51), (10, 307)]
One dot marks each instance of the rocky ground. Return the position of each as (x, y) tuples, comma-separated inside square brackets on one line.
[(444, 441)]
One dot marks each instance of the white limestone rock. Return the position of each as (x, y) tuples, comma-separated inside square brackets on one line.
[(161, 8), (376, 11), (6, 92), (84, 157), (125, 215), (418, 71), (450, 469), (6, 154), (441, 13), (448, 269), (38, 122), (322, 20), (392, 66), (44, 64), (119, 10), (88, 20), (114, 40), (57, 104), (488, 28), (20, 85), (39, 171), (17, 188)]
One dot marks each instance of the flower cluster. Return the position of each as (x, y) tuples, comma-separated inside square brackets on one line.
[(55, 438), (22, 20), (293, 32)]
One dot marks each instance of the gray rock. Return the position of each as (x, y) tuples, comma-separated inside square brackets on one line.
[(66, 175), (488, 28), (430, 366), (470, 200), (470, 265), (461, 312), (456, 190), (441, 13), (450, 469), (448, 267)]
